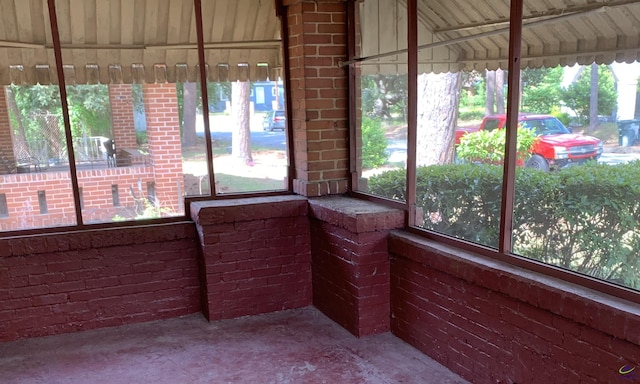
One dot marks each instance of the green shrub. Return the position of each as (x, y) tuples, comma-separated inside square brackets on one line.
[(488, 146), (374, 144), (586, 218)]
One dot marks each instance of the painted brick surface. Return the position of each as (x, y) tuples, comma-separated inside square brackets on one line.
[(494, 323), (69, 282), (256, 255), (317, 36), (351, 262)]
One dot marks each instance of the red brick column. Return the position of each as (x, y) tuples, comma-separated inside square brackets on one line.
[(121, 100), (350, 262), (317, 36), (7, 158), (163, 135)]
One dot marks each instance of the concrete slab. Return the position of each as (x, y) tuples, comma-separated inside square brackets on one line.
[(295, 346)]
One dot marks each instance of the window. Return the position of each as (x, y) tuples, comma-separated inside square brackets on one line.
[(130, 140), (542, 162)]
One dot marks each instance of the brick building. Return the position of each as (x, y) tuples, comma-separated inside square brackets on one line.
[(361, 261)]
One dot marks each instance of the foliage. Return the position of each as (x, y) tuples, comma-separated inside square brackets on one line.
[(564, 117), (473, 93), (384, 96), (374, 144), (487, 147), (584, 218), (577, 95), (541, 89), (88, 108)]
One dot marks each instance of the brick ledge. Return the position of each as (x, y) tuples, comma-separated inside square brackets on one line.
[(609, 314)]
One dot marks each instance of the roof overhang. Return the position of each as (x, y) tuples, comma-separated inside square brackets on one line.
[(135, 41), (473, 34)]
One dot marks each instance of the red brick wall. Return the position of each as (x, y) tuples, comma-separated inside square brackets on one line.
[(21, 191), (494, 323), (256, 255), (351, 262), (7, 158), (76, 281), (165, 150), (318, 34), (122, 125)]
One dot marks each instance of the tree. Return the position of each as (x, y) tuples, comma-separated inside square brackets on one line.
[(189, 137), (541, 89), (384, 96), (577, 96), (438, 117), (241, 138), (500, 91), (494, 102), (490, 100), (593, 99)]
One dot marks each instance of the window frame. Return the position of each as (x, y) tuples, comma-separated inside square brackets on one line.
[(504, 251), (202, 67)]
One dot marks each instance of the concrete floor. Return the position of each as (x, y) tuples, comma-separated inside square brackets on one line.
[(297, 346)]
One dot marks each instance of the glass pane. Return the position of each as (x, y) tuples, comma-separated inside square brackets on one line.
[(248, 135), (381, 107), (576, 201), (194, 151), (246, 97), (35, 182), (124, 116), (459, 162)]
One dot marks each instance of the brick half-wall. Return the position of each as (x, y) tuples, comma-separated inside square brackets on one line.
[(68, 282), (491, 322), (21, 195), (255, 256), (351, 261)]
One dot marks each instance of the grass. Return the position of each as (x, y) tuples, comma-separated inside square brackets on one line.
[(607, 132), (237, 184)]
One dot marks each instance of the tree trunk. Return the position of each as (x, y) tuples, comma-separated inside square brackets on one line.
[(241, 139), (439, 97), (593, 99), (499, 91), (189, 138), (491, 92), (13, 106)]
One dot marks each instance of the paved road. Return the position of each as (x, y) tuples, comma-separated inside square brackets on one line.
[(221, 127)]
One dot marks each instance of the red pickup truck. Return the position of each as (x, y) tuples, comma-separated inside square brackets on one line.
[(556, 146)]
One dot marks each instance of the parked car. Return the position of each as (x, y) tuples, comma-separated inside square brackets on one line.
[(556, 147), (274, 120)]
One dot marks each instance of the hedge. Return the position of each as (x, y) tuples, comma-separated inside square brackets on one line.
[(583, 218)]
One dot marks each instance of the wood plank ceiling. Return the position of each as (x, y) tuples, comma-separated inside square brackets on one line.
[(115, 41), (473, 34)]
